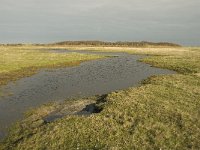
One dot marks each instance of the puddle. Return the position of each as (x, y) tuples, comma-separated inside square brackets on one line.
[(89, 78)]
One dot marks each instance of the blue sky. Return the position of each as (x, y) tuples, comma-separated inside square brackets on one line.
[(45, 21)]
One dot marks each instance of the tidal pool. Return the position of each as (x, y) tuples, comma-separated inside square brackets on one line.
[(88, 79)]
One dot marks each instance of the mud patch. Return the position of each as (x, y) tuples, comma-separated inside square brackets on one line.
[(79, 107)]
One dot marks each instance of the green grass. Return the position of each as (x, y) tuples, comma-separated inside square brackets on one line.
[(20, 61), (163, 113)]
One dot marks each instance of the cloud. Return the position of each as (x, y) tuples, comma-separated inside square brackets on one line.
[(54, 20)]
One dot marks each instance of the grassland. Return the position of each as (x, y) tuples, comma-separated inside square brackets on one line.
[(20, 61), (163, 113)]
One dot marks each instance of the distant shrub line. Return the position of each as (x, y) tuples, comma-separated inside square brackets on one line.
[(131, 44), (110, 44)]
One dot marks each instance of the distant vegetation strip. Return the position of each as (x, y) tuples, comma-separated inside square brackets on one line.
[(131, 44), (109, 44)]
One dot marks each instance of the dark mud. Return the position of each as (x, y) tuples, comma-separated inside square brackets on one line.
[(89, 78), (94, 105)]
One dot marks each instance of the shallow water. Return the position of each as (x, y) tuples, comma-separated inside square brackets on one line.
[(88, 79)]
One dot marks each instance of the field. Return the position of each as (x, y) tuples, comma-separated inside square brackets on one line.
[(163, 113)]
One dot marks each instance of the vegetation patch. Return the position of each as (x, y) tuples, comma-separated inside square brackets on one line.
[(117, 44)]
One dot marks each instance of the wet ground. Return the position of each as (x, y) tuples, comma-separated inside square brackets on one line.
[(88, 79)]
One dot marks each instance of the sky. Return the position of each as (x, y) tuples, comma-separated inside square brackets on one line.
[(46, 21)]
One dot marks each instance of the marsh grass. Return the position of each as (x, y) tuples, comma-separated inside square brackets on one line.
[(163, 113)]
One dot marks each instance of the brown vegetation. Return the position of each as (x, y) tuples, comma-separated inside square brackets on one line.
[(123, 44)]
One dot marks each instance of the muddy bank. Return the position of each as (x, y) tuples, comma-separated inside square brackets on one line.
[(90, 78), (83, 106)]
